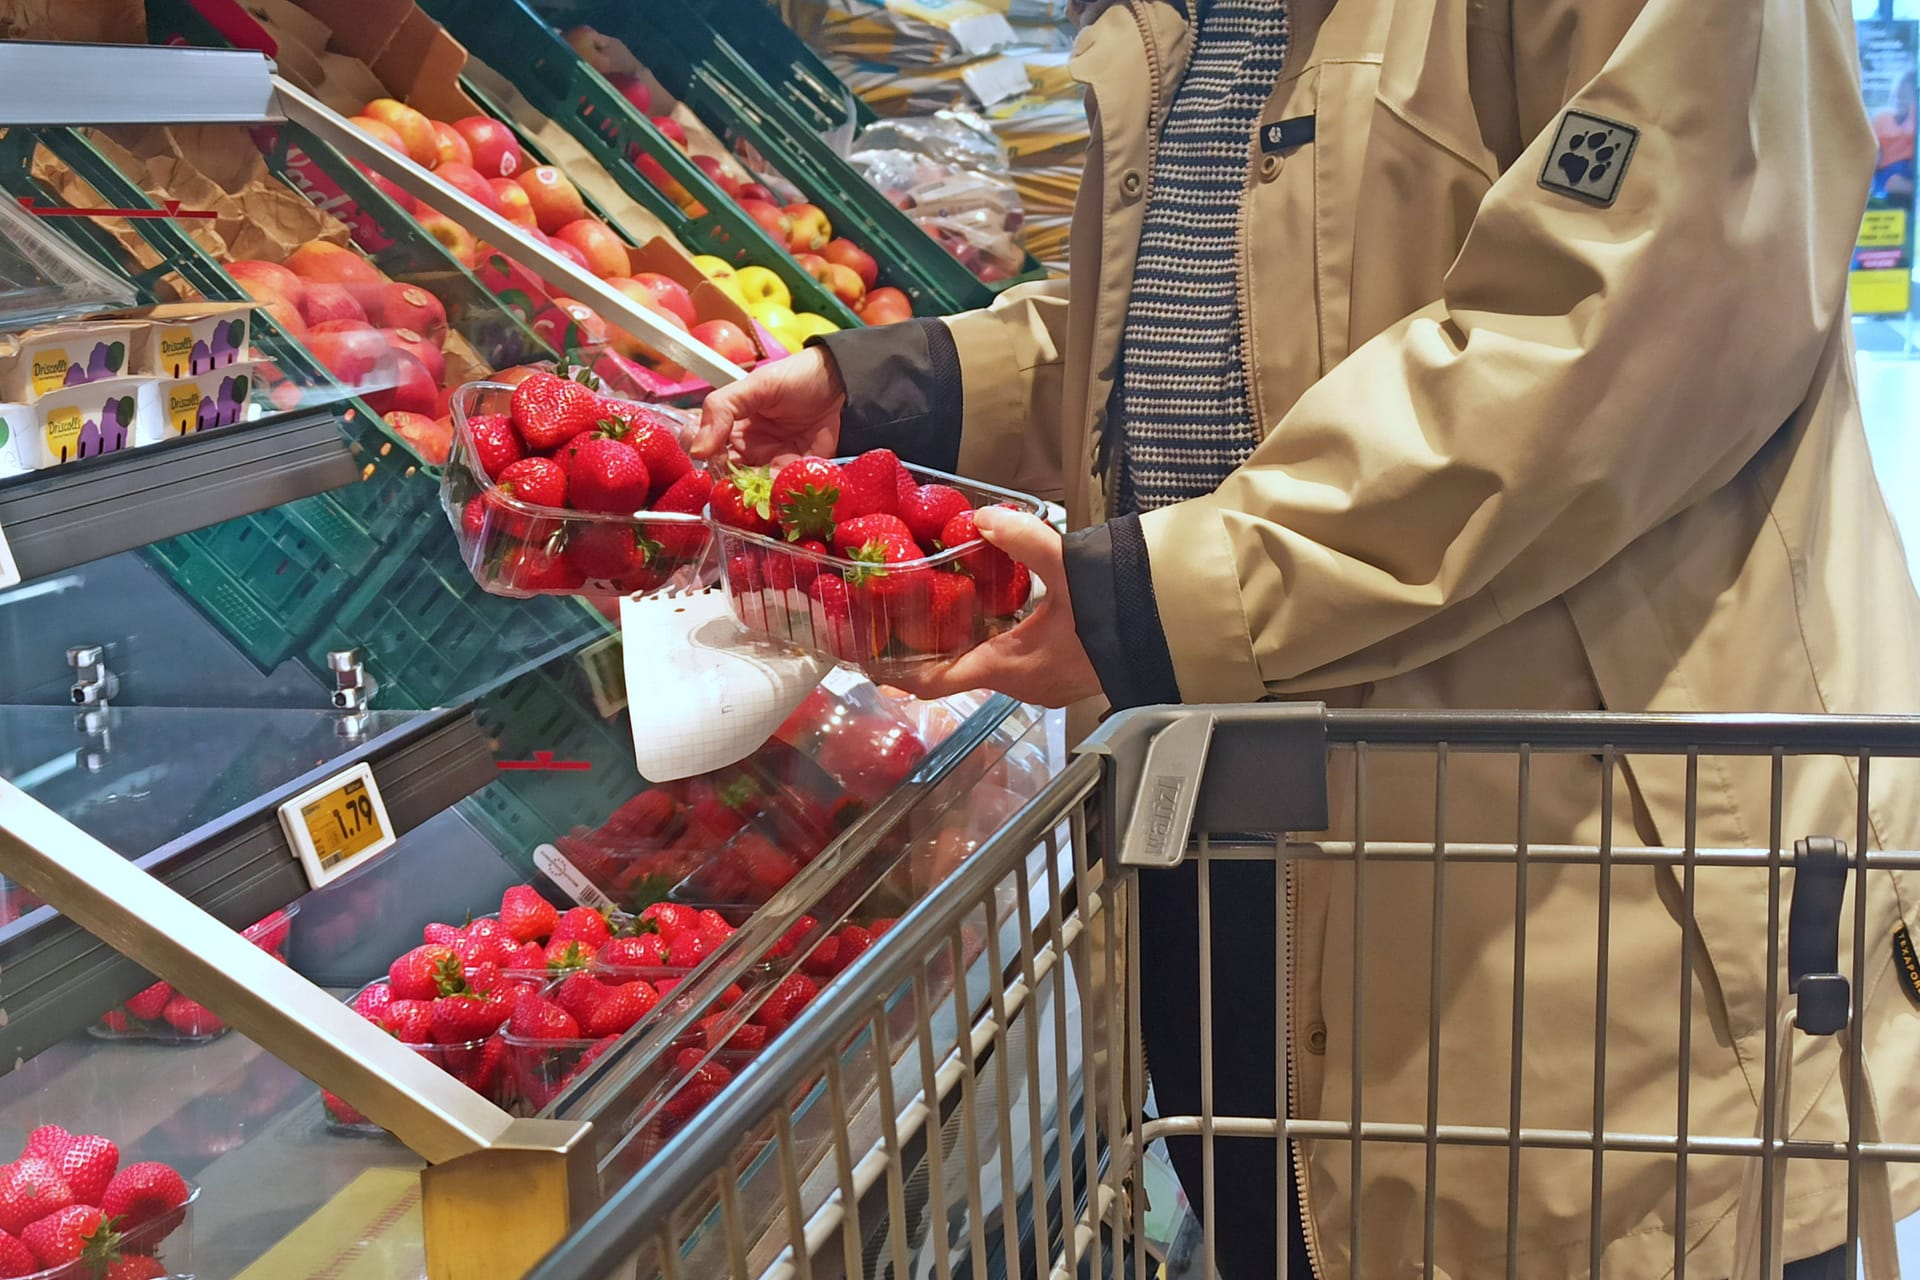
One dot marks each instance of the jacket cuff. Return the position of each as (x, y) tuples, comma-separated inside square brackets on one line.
[(1117, 616), (903, 391)]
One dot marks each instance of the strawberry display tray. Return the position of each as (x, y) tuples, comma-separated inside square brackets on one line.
[(161, 1015), (167, 1239), (523, 549), (889, 617), (475, 1063)]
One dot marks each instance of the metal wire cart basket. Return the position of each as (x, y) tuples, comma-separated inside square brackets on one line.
[(974, 1098)]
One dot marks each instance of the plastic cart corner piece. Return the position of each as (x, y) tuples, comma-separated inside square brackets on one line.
[(499, 1192)]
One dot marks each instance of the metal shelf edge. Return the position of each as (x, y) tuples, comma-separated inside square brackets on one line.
[(61, 517)]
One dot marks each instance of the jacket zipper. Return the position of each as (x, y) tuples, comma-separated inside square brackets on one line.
[(1114, 443), (1294, 1158), (1256, 426)]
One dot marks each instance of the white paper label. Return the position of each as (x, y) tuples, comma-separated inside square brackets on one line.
[(997, 79), (9, 570), (982, 33), (554, 866)]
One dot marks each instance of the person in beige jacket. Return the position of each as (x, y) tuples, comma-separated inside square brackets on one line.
[(1524, 427)]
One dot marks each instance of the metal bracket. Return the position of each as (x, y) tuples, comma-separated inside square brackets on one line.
[(353, 688), (93, 684), (1813, 935), (1233, 769)]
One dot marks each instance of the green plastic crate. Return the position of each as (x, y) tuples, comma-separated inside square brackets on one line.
[(701, 68), (522, 47)]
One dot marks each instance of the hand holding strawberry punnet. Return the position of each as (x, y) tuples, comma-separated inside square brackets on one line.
[(1040, 660), (780, 411)]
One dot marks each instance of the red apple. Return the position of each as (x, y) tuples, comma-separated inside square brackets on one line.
[(727, 340), (633, 89), (427, 353), (466, 179), (513, 202), (415, 130), (754, 191), (771, 216), (381, 132), (886, 306), (458, 240), (810, 230), (341, 326), (846, 284), (318, 262), (816, 266), (674, 133), (408, 306), (848, 254), (568, 325), (267, 281), (568, 250), (389, 189), (718, 172), (429, 438), (356, 357), (413, 390), (631, 344), (666, 293), (496, 152), (596, 50), (556, 201), (452, 147), (288, 317), (515, 376), (605, 252), (326, 302)]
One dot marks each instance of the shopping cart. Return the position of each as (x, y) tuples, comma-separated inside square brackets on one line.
[(972, 1097)]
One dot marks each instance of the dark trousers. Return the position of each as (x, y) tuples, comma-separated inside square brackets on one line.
[(1248, 1198)]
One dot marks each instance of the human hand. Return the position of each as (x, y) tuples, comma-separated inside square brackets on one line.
[(1040, 660), (779, 411)]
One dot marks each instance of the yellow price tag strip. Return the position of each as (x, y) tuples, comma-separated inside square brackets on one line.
[(337, 825)]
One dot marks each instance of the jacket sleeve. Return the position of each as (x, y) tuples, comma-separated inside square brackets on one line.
[(977, 393), (1588, 372)]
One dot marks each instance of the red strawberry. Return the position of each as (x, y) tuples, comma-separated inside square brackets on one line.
[(482, 1072), (611, 549), (798, 568), (529, 957), (190, 1018), (116, 1021), (539, 568), (928, 508), (642, 951), (495, 443), (579, 994), (824, 960), (550, 410), (540, 482), (75, 1232), (337, 1108), (853, 941), (271, 933), (416, 975), (878, 928), (147, 1005), (567, 954), (689, 949), (526, 915), (50, 1140), (15, 1258), (785, 1002), (410, 1021), (703, 1083), (872, 487), (888, 567), (743, 499), (607, 475), (850, 535), (136, 1266), (143, 1193), (584, 925), (1004, 583), (443, 934), (621, 1007), (373, 1003), (671, 919), (658, 447), (806, 493), (844, 625), (461, 1019), (688, 496), (943, 622), (791, 940), (652, 814), (872, 756), (723, 1032), (87, 1165), (30, 1189), (484, 942), (538, 1018), (714, 925)]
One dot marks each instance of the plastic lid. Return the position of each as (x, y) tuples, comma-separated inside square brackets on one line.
[(44, 277)]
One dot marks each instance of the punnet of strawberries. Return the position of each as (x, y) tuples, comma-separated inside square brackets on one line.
[(158, 1012), (70, 1207), (867, 559), (554, 488)]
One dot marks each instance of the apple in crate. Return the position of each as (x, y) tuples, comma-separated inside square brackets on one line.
[(810, 231), (770, 216), (633, 89), (886, 306), (318, 262), (381, 132), (605, 252), (761, 285), (355, 355), (721, 178), (568, 250), (267, 281), (556, 201), (327, 303), (413, 389), (408, 306), (846, 253), (664, 291), (633, 346), (514, 206), (466, 179), (846, 284), (496, 152), (420, 349), (726, 339), (415, 130), (452, 147), (431, 439), (458, 240), (671, 130), (569, 325)]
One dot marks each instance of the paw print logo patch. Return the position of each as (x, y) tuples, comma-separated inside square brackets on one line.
[(1589, 158)]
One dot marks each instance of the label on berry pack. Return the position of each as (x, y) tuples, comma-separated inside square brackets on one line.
[(9, 569), (338, 824), (842, 681), (554, 866)]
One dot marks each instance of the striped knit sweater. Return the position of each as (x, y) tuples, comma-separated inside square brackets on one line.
[(1180, 404)]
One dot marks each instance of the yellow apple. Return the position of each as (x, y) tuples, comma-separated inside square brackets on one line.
[(809, 324), (713, 268), (761, 285), (774, 315)]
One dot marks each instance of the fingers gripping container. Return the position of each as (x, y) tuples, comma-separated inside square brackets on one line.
[(159, 1013), (515, 548), (887, 620)]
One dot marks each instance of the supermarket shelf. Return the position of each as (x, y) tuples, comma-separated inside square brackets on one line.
[(59, 977), (64, 516), (90, 84)]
